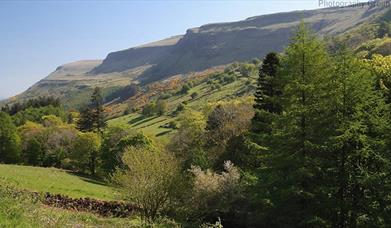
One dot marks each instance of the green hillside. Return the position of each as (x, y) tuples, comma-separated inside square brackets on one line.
[(56, 181), (214, 88)]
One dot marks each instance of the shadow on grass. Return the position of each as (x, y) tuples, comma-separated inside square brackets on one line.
[(135, 120), (145, 120), (88, 178), (163, 133)]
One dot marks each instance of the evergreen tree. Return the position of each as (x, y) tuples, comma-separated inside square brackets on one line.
[(92, 118), (293, 175), (98, 115), (267, 94), (359, 171), (86, 120)]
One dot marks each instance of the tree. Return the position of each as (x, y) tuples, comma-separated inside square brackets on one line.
[(359, 171), (98, 115), (149, 109), (92, 118), (86, 121), (161, 107), (115, 141), (225, 122), (33, 148), (188, 142), (267, 95), (9, 140), (85, 151), (151, 179), (293, 176)]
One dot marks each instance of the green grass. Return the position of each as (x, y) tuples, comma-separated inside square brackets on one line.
[(22, 210), (56, 181)]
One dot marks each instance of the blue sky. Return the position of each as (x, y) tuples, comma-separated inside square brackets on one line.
[(37, 36)]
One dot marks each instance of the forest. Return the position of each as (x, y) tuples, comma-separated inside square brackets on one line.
[(311, 148)]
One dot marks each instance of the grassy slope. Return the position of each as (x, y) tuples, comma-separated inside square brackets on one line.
[(55, 181), (152, 126)]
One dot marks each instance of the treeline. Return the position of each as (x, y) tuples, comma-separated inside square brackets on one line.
[(32, 103), (41, 133)]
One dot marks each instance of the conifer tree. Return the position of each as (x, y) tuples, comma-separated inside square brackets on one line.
[(86, 121), (360, 167), (92, 118), (97, 110), (293, 175), (267, 94)]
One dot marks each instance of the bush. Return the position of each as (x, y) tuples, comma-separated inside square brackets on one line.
[(214, 194), (165, 96), (185, 89), (161, 107), (115, 141), (150, 180), (194, 95), (149, 109), (229, 78)]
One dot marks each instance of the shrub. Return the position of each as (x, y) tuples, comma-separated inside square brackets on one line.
[(214, 194), (149, 109), (150, 180), (194, 95), (115, 141), (165, 96), (161, 107), (185, 89)]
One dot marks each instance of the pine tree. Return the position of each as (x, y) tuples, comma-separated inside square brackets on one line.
[(97, 110), (92, 118), (293, 175), (359, 171), (267, 94), (86, 120)]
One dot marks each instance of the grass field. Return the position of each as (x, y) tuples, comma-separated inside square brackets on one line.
[(56, 181), (21, 210)]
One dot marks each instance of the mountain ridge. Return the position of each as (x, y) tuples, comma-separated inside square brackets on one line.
[(200, 48)]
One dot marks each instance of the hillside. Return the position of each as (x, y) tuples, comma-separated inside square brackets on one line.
[(199, 49), (55, 181)]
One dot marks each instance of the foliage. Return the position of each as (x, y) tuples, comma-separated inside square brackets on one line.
[(214, 194), (32, 103), (85, 151), (37, 114), (9, 140), (161, 107), (188, 142), (150, 179), (115, 141), (92, 118)]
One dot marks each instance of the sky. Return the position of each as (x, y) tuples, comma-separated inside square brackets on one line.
[(37, 36)]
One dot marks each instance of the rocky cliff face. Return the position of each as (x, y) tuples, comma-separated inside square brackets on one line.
[(218, 44), (199, 49)]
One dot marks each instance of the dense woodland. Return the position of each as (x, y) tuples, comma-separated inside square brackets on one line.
[(312, 150)]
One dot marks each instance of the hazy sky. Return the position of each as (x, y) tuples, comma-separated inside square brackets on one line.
[(38, 36)]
